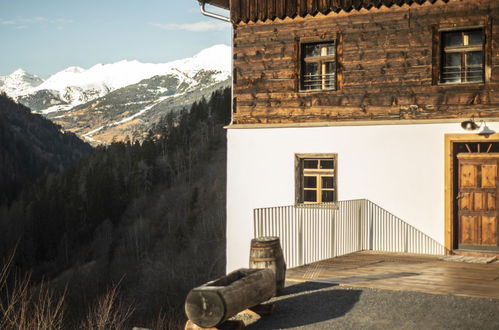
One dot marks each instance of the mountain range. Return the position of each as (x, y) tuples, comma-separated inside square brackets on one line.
[(110, 102)]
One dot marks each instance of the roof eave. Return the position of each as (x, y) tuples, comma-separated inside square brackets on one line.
[(218, 3)]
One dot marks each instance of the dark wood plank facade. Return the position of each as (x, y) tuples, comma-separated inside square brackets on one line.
[(261, 10), (219, 3), (388, 61)]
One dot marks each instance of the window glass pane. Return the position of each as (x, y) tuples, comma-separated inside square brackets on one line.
[(327, 196), (451, 71), (329, 74), (329, 49), (310, 163), (327, 182), (474, 69), (312, 50), (453, 59), (475, 37), (453, 38), (311, 77), (309, 196), (327, 163), (320, 49), (311, 69), (475, 59), (309, 182)]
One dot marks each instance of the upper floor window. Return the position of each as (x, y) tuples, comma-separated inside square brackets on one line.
[(318, 66), (462, 56)]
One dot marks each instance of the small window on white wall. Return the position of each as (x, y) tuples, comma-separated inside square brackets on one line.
[(316, 178)]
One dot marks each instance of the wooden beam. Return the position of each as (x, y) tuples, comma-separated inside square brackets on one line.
[(262, 9), (336, 5), (291, 8), (324, 6), (235, 10), (271, 9), (280, 8), (253, 10)]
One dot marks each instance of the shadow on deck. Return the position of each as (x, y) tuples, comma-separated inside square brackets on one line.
[(402, 272)]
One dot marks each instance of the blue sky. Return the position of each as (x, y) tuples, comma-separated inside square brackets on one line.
[(46, 36)]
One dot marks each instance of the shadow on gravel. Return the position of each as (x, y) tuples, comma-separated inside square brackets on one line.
[(307, 308), (374, 277), (305, 286)]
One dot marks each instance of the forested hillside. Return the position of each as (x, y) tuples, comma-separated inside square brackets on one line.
[(30, 146), (149, 216)]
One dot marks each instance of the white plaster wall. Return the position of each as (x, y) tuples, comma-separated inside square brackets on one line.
[(399, 167)]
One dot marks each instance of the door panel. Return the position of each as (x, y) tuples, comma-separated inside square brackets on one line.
[(489, 230), (465, 202), (489, 176), (469, 230), (477, 201), (491, 201), (468, 176)]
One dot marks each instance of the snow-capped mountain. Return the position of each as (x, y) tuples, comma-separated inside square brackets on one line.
[(75, 86), (132, 110), (19, 83), (109, 102)]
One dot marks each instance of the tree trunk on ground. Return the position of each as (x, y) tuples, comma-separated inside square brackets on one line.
[(212, 303)]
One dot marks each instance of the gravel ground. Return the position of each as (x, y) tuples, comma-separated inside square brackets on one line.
[(326, 306)]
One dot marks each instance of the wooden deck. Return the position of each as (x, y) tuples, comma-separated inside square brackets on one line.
[(403, 272)]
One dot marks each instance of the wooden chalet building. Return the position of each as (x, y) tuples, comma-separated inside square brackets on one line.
[(366, 99)]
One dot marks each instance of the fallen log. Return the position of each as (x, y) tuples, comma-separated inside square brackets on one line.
[(210, 304)]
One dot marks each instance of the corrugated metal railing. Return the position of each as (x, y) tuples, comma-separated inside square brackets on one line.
[(312, 233)]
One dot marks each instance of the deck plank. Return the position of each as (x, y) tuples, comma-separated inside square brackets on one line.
[(404, 272)]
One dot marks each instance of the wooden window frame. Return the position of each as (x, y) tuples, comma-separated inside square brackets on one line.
[(486, 25), (320, 60), (300, 171), (463, 50)]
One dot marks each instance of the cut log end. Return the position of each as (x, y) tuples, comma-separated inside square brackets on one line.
[(211, 304), (205, 307)]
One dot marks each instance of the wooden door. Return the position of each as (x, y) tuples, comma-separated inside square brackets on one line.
[(478, 202)]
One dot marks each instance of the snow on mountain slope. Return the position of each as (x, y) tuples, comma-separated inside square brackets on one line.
[(217, 58), (124, 73), (19, 83), (74, 85)]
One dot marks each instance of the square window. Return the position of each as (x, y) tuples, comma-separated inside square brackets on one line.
[(462, 54), (318, 66), (316, 178)]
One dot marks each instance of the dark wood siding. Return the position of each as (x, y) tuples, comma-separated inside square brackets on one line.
[(219, 3), (387, 65), (254, 10)]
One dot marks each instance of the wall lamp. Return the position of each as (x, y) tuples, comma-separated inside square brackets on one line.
[(471, 125)]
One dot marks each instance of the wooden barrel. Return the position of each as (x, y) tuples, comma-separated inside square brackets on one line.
[(266, 252)]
